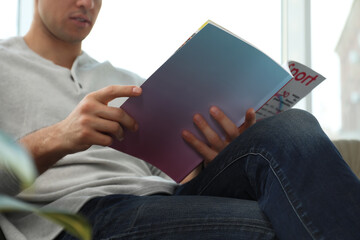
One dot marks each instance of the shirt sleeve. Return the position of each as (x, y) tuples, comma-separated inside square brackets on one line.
[(157, 172)]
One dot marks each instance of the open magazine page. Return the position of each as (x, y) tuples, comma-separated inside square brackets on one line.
[(304, 81)]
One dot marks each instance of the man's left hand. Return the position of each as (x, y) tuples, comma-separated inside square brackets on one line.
[(215, 143)]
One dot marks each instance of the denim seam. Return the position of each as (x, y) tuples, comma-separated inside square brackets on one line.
[(295, 209), (219, 173), (277, 177), (202, 226), (240, 221)]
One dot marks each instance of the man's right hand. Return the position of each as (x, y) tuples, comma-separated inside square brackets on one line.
[(92, 122)]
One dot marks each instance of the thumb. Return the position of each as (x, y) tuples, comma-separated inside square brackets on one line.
[(250, 119)]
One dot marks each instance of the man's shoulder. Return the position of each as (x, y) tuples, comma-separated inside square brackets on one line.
[(10, 43), (13, 46), (106, 68)]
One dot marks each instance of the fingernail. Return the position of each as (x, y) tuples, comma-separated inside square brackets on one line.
[(214, 111), (136, 127), (120, 135), (119, 138), (185, 133), (197, 118), (136, 90)]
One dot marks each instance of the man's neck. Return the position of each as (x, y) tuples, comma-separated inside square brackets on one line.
[(59, 52)]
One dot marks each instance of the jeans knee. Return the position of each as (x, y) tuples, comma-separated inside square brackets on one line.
[(298, 118), (292, 126)]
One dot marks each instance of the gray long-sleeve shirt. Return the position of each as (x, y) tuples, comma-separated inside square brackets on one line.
[(36, 93)]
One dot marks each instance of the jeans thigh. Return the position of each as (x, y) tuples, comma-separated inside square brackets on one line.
[(175, 217)]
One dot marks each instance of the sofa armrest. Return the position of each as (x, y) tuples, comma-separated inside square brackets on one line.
[(350, 151)]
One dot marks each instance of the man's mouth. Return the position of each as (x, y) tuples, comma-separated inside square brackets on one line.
[(81, 19)]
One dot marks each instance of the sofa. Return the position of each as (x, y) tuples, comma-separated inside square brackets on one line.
[(350, 150)]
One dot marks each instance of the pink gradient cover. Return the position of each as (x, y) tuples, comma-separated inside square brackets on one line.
[(212, 68)]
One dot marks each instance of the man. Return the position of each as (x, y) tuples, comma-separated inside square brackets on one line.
[(62, 106)]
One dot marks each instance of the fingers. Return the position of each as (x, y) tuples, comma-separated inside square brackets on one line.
[(100, 139), (110, 127), (211, 136), (214, 143), (200, 147), (105, 95), (99, 107), (231, 130), (118, 115), (250, 119), (227, 125), (94, 122)]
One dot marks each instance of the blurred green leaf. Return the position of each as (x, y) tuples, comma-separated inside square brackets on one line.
[(16, 159), (72, 223)]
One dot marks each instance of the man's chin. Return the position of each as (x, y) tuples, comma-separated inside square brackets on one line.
[(74, 39)]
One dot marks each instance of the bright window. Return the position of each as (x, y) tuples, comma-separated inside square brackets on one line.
[(328, 19), (8, 18), (140, 35)]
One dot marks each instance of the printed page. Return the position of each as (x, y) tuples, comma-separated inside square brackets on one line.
[(304, 80)]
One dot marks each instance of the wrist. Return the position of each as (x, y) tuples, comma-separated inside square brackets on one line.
[(46, 147), (193, 174)]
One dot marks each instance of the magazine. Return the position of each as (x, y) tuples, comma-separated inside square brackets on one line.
[(213, 67)]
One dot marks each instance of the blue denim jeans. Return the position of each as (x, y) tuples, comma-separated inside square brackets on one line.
[(282, 178)]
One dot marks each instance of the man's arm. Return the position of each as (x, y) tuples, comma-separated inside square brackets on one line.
[(92, 122), (215, 143)]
